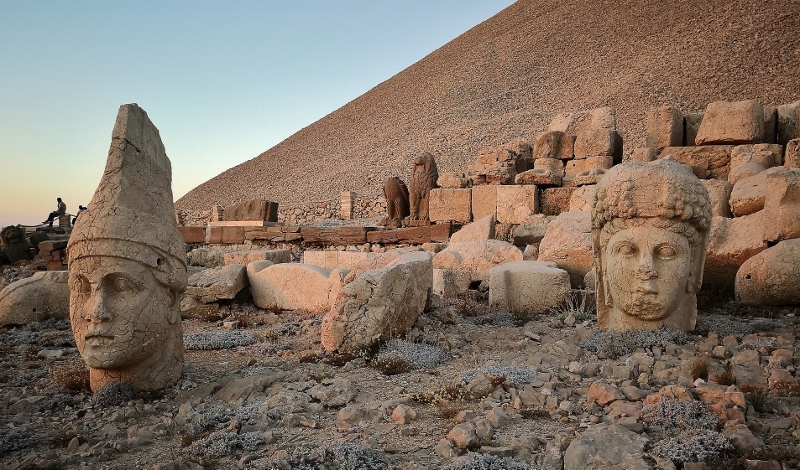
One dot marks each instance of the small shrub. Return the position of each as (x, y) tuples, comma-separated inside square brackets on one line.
[(390, 364), (217, 340), (694, 446), (520, 318), (114, 394), (614, 344), (487, 462), (448, 409), (338, 359), (699, 368), (579, 304), (759, 399), (727, 377), (73, 377)]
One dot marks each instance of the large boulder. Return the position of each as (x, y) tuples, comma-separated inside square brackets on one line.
[(246, 257), (731, 242), (782, 204), (568, 243), (481, 229), (477, 257), (607, 447), (771, 277), (748, 194), (380, 303), (290, 286), (39, 297), (213, 284), (738, 122), (527, 286)]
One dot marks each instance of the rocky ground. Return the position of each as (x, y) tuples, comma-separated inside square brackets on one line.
[(500, 390)]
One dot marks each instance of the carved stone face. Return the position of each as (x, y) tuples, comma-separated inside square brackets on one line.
[(120, 314), (647, 270)]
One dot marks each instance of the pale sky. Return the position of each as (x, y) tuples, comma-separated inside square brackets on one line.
[(222, 81)]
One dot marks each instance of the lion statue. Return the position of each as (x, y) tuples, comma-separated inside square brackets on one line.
[(396, 193), (15, 245), (423, 178)]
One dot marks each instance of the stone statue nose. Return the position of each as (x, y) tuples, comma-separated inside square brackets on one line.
[(647, 267), (97, 310)]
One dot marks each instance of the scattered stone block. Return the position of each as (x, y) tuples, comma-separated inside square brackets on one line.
[(516, 203), (193, 234), (707, 161), (450, 283), (553, 164), (451, 205), (731, 242), (527, 286), (531, 231), (476, 257), (228, 234), (745, 170), (588, 177), (37, 298), (603, 394), (574, 123), (501, 175), (484, 201), (540, 177), (481, 229), (691, 122), (555, 200), (788, 125), (568, 243), (583, 198), (603, 162), (453, 179), (771, 277), (719, 192), (749, 194), (664, 127), (379, 303), (782, 204), (553, 144), (248, 256), (408, 235), (213, 284), (766, 155), (607, 446), (726, 122), (643, 154), (792, 156), (290, 286), (598, 142)]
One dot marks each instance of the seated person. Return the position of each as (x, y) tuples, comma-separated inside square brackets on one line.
[(62, 209)]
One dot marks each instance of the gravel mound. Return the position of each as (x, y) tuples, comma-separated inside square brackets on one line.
[(416, 355), (218, 340), (507, 77), (621, 343)]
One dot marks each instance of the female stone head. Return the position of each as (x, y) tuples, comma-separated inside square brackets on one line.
[(649, 234)]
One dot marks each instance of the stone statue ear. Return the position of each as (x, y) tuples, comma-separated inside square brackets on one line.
[(698, 265), (174, 315)]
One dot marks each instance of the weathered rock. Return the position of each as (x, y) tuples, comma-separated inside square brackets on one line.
[(644, 154), (451, 204), (334, 259), (248, 256), (532, 231), (738, 122), (791, 157), (481, 229), (290, 286), (749, 195), (207, 257), (607, 447), (583, 198), (730, 243), (130, 333), (553, 201), (213, 284), (782, 204), (540, 177), (37, 298), (574, 123), (771, 277), (254, 209), (484, 201), (707, 161), (454, 179), (404, 414), (380, 303), (568, 243), (449, 283), (788, 125), (588, 177), (334, 392), (603, 394), (719, 192), (745, 170), (527, 286), (15, 245), (553, 144), (476, 257), (516, 203), (766, 155), (598, 142), (463, 436), (664, 127), (691, 122)]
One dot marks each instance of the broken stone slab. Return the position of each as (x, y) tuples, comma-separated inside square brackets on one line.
[(206, 256), (222, 283), (707, 161), (527, 286), (575, 122), (782, 204), (553, 201), (643, 154), (749, 195), (766, 155), (477, 257), (291, 286), (732, 122), (599, 142), (583, 198), (719, 192), (532, 231), (664, 127), (515, 203), (745, 170), (248, 256), (255, 209), (608, 447), (554, 144), (771, 277), (568, 243), (37, 298), (540, 177), (380, 303), (731, 242), (451, 204), (481, 229)]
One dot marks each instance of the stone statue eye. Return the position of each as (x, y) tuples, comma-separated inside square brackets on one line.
[(626, 249), (666, 252), (81, 285), (123, 284)]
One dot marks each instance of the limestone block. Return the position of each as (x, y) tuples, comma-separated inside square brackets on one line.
[(290, 286), (206, 257), (730, 243), (213, 284), (553, 164), (554, 201), (523, 151), (484, 201), (607, 446), (476, 256), (588, 177), (193, 234), (792, 156), (574, 123), (532, 231), (782, 204), (254, 209), (583, 198), (691, 124), (770, 124), (450, 283), (379, 304), (749, 194), (766, 155), (597, 142), (481, 229), (664, 127), (788, 125), (745, 170), (707, 161), (568, 243), (334, 259), (451, 204), (643, 154), (575, 166), (771, 277), (554, 144), (501, 175), (37, 298), (248, 256), (737, 122), (540, 177), (527, 286), (453, 179), (516, 203), (603, 162), (719, 192)]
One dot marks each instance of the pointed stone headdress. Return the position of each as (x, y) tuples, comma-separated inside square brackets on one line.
[(132, 215)]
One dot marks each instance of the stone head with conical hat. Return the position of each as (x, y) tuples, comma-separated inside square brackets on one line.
[(650, 226), (127, 265)]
